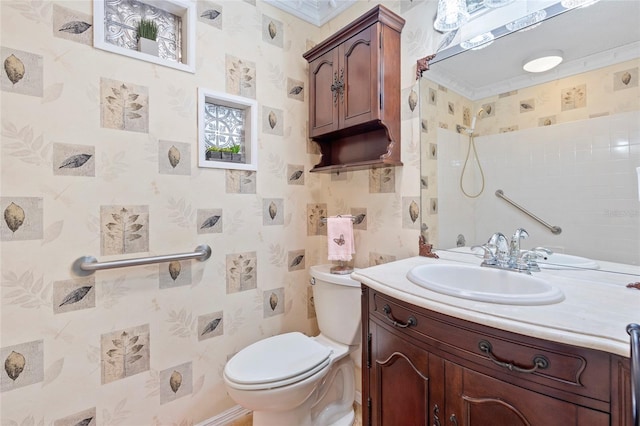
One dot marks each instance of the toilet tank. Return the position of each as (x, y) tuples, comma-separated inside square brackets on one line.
[(337, 302)]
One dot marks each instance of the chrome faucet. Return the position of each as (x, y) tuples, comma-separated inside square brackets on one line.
[(499, 253)]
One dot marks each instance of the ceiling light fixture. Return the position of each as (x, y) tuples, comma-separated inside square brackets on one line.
[(452, 14), (543, 61)]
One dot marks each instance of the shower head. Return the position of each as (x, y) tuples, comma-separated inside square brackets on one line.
[(473, 121)]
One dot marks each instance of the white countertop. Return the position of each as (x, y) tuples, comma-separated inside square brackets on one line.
[(594, 314)]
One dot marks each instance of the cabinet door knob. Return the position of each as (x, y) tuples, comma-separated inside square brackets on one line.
[(454, 420), (540, 362), (411, 321)]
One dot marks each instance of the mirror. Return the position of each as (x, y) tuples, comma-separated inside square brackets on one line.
[(563, 144)]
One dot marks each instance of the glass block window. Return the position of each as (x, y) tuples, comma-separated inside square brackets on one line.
[(224, 126), (227, 131), (122, 17)]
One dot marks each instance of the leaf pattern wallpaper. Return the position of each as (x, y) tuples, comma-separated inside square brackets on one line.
[(125, 353), (124, 106), (124, 229), (86, 134)]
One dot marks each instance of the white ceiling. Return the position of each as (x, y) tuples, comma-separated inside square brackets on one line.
[(592, 37), (316, 12)]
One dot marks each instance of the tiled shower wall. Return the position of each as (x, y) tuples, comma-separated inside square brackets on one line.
[(579, 176), (568, 153), (147, 345)]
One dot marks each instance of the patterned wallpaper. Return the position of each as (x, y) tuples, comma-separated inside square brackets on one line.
[(99, 157)]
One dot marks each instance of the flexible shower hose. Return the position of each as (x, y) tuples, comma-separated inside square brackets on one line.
[(472, 145)]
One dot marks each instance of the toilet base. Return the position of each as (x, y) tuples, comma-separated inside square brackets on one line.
[(329, 404), (347, 420)]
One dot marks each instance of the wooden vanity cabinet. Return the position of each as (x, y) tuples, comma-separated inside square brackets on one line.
[(354, 93), (433, 372)]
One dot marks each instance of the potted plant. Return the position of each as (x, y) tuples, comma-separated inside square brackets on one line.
[(231, 153), (213, 153), (147, 34)]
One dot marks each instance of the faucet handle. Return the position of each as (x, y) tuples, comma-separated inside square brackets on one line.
[(527, 260), (490, 253), (542, 251)]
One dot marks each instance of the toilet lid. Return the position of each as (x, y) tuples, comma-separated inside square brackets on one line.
[(277, 359)]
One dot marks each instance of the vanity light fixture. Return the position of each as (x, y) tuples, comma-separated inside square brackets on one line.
[(496, 3), (478, 42), (452, 14), (543, 61), (528, 22), (572, 4)]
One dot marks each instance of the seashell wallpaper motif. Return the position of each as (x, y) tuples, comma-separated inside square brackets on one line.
[(272, 31), (22, 365), (176, 382), (272, 121), (210, 14), (72, 25), (22, 218), (273, 211), (295, 89), (22, 72)]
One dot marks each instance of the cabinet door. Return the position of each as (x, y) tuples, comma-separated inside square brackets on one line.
[(324, 93), (474, 399), (399, 381), (360, 71)]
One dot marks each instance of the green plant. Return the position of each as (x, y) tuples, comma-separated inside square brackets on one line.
[(234, 149), (147, 29)]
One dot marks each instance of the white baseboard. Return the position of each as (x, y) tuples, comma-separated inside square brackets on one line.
[(237, 412), (226, 417)]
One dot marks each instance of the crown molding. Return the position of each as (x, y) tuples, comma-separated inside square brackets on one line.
[(316, 12)]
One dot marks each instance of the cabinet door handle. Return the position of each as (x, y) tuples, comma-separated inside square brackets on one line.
[(540, 362), (411, 321), (436, 419), (454, 420), (338, 86)]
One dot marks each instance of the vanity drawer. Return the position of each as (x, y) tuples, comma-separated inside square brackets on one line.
[(515, 358)]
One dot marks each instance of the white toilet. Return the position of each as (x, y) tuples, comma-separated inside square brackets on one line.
[(294, 380)]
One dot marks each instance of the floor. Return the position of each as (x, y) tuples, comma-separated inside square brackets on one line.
[(248, 419)]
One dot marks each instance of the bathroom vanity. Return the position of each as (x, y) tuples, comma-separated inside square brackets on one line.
[(435, 359)]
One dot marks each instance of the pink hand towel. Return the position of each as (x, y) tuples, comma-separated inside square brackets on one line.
[(340, 238)]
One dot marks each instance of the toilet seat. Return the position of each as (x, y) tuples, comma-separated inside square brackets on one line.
[(276, 361)]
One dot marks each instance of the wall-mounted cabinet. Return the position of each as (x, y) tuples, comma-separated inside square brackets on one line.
[(354, 93)]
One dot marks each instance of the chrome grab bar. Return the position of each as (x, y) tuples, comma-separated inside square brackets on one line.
[(634, 332), (554, 229), (87, 265)]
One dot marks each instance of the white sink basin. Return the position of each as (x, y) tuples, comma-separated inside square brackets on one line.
[(566, 261), (485, 284)]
